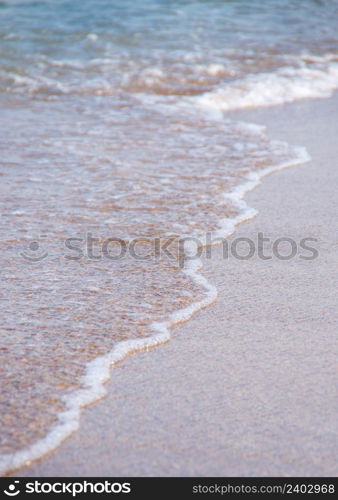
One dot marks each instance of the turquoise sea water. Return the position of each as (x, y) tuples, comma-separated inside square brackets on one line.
[(113, 123), (170, 47)]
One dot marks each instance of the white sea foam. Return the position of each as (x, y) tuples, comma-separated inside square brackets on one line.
[(92, 37), (309, 77), (98, 370), (285, 85)]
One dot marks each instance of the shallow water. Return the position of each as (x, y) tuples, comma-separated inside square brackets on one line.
[(111, 135)]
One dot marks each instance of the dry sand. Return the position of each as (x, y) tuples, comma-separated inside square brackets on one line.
[(248, 386)]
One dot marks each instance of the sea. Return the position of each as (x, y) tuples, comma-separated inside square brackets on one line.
[(119, 163)]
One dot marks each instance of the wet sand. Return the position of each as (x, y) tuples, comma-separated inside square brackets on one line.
[(248, 386)]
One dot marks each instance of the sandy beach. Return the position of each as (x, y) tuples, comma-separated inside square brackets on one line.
[(248, 386)]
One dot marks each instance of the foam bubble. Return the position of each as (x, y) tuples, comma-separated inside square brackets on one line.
[(92, 37)]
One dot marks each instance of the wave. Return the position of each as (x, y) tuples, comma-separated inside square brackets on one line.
[(307, 76), (285, 85)]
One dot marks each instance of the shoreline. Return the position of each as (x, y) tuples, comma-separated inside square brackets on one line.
[(50, 465)]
